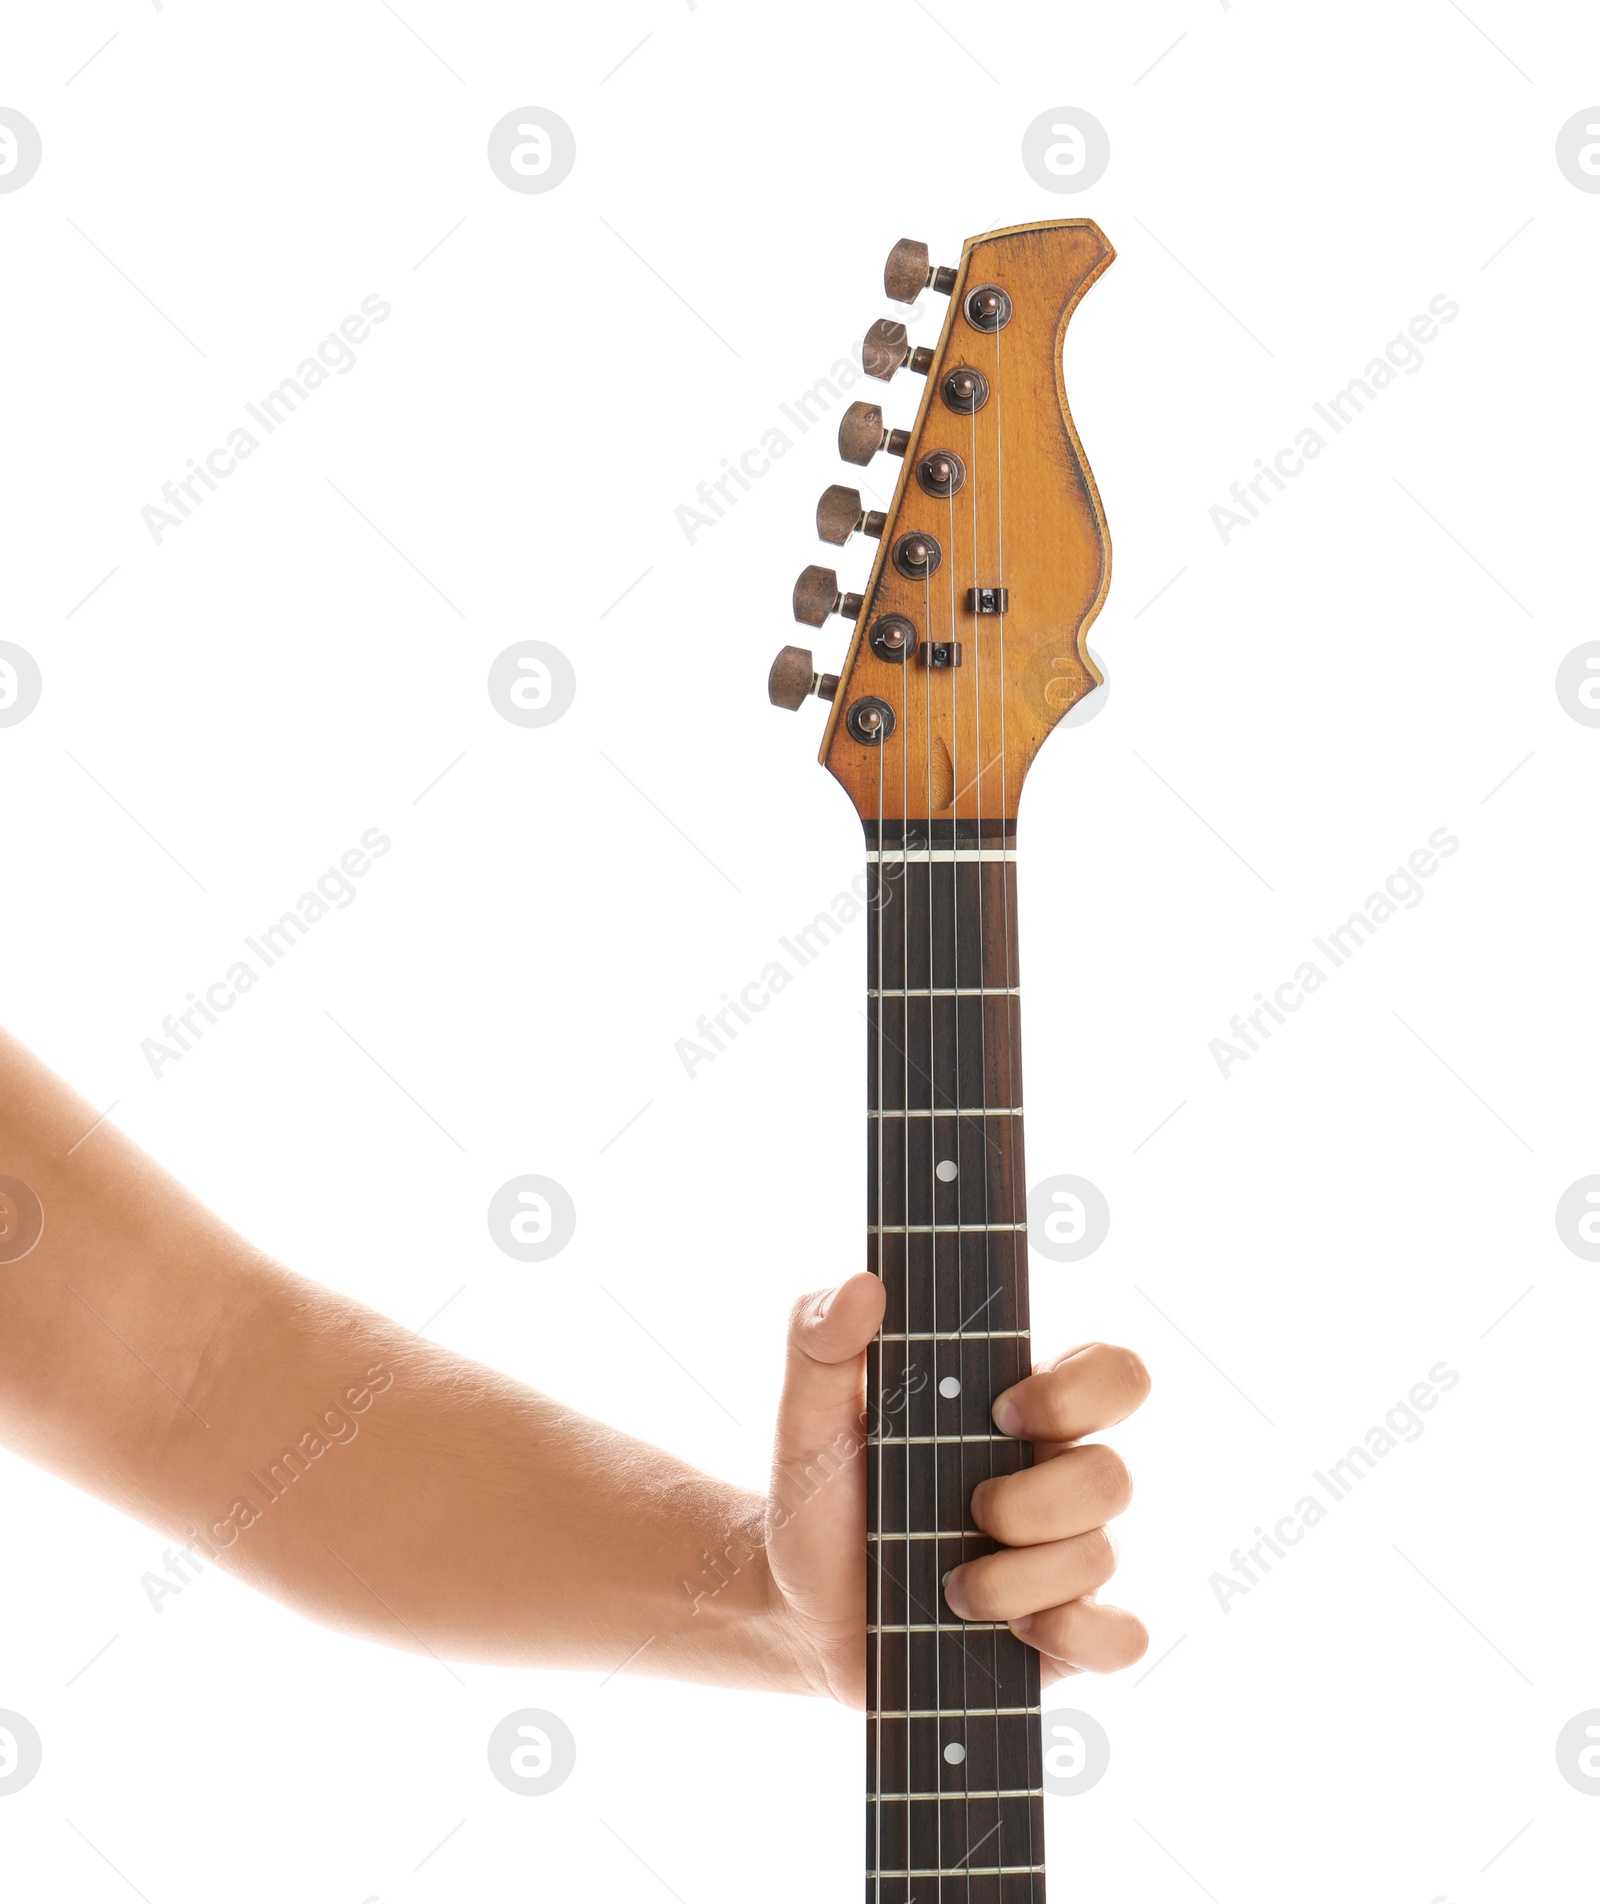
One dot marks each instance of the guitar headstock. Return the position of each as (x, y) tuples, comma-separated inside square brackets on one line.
[(993, 557)]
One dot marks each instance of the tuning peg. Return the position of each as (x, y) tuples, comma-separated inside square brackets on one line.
[(792, 678), (839, 515), (862, 434), (816, 597), (907, 273), (884, 350)]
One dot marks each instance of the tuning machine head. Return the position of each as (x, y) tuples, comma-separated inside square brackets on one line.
[(862, 433), (793, 676), (907, 273), (817, 596), (885, 349), (840, 515)]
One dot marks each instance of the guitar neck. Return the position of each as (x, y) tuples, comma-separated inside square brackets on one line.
[(968, 647), (954, 1798)]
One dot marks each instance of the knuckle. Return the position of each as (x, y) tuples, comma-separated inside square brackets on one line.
[(1063, 1630), (803, 1308), (1108, 1479), (1132, 1373), (1057, 1404), (1099, 1555), (806, 1312), (1064, 1374)]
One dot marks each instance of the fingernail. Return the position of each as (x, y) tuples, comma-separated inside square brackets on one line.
[(826, 1304), (1007, 1417), (1023, 1627), (955, 1598)]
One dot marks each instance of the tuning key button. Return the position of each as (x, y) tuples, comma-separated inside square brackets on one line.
[(988, 308), (793, 677), (893, 638), (870, 720), (884, 350), (840, 515), (917, 556), (941, 472), (817, 596), (862, 435), (964, 390), (907, 273)]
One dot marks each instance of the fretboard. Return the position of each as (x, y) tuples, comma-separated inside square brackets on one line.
[(954, 1806)]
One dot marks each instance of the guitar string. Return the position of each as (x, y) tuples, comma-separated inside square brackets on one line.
[(1018, 1243), (979, 869), (962, 1294), (905, 1207), (943, 1617), (875, 1402)]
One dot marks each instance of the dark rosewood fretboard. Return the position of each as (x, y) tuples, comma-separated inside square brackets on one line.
[(954, 1809)]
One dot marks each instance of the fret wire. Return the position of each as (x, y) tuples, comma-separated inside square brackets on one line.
[(965, 1712), (939, 1229), (938, 1533), (900, 1798), (956, 1626), (942, 855), (903, 1441), (967, 989), (964, 1871), (952, 1335), (982, 1110)]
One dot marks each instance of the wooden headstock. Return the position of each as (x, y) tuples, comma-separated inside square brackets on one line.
[(993, 557)]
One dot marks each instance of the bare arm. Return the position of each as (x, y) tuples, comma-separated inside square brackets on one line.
[(326, 1455), (383, 1485)]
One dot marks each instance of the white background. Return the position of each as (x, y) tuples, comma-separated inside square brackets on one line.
[(1368, 662)]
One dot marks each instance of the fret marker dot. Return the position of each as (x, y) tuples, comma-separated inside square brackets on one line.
[(947, 1170), (950, 1388), (954, 1754)]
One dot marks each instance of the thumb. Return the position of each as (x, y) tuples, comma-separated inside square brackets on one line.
[(824, 1384)]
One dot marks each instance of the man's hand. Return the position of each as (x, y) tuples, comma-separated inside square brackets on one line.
[(1050, 1519), (153, 1358)]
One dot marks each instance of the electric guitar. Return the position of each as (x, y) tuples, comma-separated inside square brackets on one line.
[(967, 648)]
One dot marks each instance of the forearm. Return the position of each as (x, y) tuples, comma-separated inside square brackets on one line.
[(331, 1458), (439, 1503)]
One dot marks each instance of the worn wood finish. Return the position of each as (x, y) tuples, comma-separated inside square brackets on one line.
[(1027, 518)]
